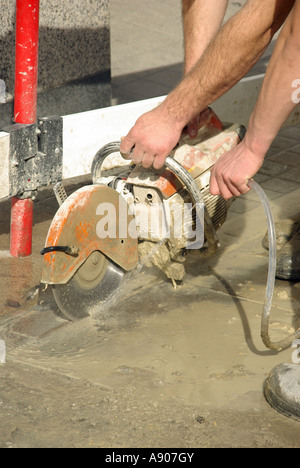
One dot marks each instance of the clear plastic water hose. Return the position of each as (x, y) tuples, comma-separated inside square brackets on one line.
[(265, 320)]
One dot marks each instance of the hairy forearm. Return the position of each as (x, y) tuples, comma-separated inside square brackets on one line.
[(275, 102), (201, 22), (230, 175), (228, 58)]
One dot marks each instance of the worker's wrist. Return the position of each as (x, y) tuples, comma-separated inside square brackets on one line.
[(174, 113), (181, 106), (258, 140)]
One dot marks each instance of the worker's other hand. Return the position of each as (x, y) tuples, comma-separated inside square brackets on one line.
[(231, 173), (152, 138), (197, 122)]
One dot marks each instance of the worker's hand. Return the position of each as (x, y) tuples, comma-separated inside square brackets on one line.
[(231, 173), (152, 138), (197, 122)]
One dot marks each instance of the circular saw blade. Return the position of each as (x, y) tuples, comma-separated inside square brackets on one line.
[(93, 283)]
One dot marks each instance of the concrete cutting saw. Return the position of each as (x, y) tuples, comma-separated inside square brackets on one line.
[(130, 215)]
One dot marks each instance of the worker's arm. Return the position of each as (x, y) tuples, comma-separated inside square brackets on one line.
[(201, 23), (275, 103), (239, 44)]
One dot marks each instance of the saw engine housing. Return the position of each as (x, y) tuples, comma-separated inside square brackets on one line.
[(162, 207)]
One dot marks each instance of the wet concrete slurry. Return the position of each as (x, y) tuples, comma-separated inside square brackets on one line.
[(195, 350)]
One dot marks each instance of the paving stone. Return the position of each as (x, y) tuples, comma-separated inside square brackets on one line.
[(280, 185), (289, 157), (292, 174), (291, 132), (273, 169), (284, 143)]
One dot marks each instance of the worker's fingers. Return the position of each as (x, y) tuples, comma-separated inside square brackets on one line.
[(218, 186), (244, 188), (197, 122), (127, 146), (224, 186), (193, 127), (203, 116), (231, 173), (213, 185), (222, 189), (147, 160), (137, 154), (159, 161)]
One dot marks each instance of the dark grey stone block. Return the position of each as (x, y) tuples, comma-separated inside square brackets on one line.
[(74, 57)]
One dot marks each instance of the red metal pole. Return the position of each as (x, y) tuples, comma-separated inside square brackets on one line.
[(27, 40), (21, 227), (25, 107)]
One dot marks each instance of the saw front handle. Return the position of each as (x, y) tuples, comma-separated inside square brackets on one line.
[(212, 121), (179, 171)]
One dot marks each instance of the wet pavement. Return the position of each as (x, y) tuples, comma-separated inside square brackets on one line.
[(153, 350), (158, 366)]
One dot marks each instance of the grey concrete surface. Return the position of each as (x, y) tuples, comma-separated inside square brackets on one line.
[(161, 367)]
